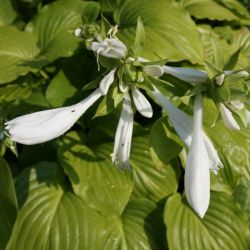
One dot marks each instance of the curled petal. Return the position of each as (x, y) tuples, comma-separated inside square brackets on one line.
[(141, 103), (248, 118), (188, 75), (46, 125), (153, 70), (123, 135), (110, 47), (197, 175), (107, 81), (228, 118)]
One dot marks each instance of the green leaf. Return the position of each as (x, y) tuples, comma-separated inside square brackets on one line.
[(17, 48), (109, 5), (8, 203), (218, 230), (91, 12), (199, 9), (242, 196), (164, 143), (94, 178), (12, 93), (109, 102), (171, 33), (152, 179), (139, 227), (7, 12), (232, 60), (51, 215), (140, 37), (54, 26)]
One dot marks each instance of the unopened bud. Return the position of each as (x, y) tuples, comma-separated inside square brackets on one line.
[(220, 79)]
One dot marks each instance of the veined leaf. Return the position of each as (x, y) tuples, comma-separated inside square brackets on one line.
[(8, 203), (17, 48), (54, 26), (7, 12), (219, 229), (171, 34), (94, 178), (51, 215)]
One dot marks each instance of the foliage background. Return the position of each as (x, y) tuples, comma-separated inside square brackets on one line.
[(66, 193)]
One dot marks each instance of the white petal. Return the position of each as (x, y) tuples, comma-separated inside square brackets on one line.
[(141, 103), (214, 159), (110, 47), (47, 125), (220, 79), (107, 81), (123, 136), (181, 122), (153, 70), (188, 75), (228, 118), (123, 87), (197, 175)]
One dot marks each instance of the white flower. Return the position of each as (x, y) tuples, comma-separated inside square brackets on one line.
[(109, 47), (228, 118), (46, 125), (141, 103), (197, 175), (153, 70), (188, 75), (123, 135), (202, 154)]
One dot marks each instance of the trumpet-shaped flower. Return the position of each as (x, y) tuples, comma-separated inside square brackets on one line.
[(123, 135), (228, 118), (197, 175), (46, 125), (110, 47), (188, 75), (202, 154)]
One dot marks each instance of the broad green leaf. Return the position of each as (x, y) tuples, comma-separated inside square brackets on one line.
[(7, 12), (54, 26), (93, 176), (139, 227), (233, 148), (199, 9), (91, 12), (51, 215), (109, 5), (164, 143), (59, 90), (242, 196), (17, 48), (8, 203), (12, 93), (152, 179), (223, 226), (236, 7), (170, 32)]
